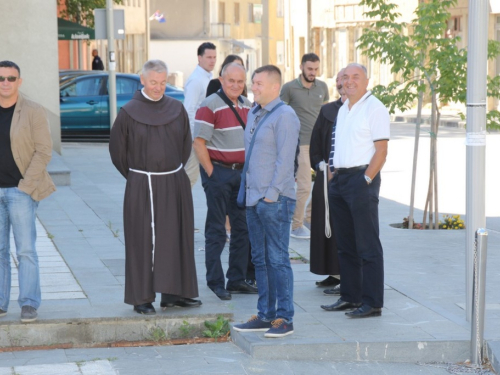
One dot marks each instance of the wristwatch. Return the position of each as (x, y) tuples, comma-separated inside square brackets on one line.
[(368, 179)]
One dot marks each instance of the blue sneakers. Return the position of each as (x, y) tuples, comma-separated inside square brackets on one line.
[(280, 328), (254, 324)]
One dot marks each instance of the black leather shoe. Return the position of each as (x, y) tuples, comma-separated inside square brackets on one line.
[(182, 302), (251, 282), (329, 281), (242, 288), (222, 293), (341, 305), (365, 311), (332, 292), (145, 309)]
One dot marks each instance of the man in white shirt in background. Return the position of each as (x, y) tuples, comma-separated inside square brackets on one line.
[(195, 91)]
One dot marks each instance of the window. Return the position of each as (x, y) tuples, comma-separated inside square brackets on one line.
[(359, 51), (126, 86), (250, 13), (280, 52), (330, 53), (236, 13), (280, 11), (222, 12), (302, 46), (343, 48), (84, 87), (454, 27), (257, 13)]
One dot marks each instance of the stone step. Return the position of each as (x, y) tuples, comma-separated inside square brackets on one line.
[(447, 121), (60, 173), (334, 350), (89, 332)]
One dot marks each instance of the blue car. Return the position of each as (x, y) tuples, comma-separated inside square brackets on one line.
[(84, 100)]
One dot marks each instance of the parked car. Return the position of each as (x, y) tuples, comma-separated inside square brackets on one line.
[(84, 100)]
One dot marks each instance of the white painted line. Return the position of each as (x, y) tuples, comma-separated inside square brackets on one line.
[(52, 369), (98, 368), (101, 367), (56, 279)]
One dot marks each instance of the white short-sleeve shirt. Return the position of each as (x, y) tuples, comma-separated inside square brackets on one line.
[(366, 122)]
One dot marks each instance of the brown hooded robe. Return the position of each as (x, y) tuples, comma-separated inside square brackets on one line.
[(324, 258), (155, 137)]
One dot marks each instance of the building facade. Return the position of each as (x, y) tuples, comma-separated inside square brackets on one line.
[(251, 29), (32, 44), (131, 53), (458, 26)]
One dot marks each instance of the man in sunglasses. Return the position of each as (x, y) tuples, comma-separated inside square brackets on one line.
[(25, 151)]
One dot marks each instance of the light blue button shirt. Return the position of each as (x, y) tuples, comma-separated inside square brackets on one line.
[(271, 165)]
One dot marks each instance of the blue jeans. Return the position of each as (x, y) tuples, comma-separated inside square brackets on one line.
[(17, 209), (269, 230)]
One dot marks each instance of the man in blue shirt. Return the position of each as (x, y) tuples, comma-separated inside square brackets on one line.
[(270, 202)]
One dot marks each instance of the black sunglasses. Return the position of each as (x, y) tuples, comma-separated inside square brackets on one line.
[(9, 78)]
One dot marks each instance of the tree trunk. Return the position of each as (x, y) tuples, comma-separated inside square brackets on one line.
[(432, 187), (415, 158), (436, 210)]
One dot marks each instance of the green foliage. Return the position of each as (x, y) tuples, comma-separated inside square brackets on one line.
[(157, 334), (186, 329), (81, 11), (452, 222), (219, 328), (420, 55)]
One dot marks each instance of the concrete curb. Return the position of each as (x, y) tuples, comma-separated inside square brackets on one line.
[(345, 351), (60, 173), (94, 331), (446, 121), (493, 353)]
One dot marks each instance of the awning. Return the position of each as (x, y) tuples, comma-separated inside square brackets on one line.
[(67, 30), (237, 43)]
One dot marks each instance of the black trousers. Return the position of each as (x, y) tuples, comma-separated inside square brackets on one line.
[(221, 190), (354, 212)]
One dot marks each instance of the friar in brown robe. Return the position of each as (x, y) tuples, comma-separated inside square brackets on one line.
[(151, 134)]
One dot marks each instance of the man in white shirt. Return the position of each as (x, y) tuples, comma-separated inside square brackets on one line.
[(359, 150), (195, 91)]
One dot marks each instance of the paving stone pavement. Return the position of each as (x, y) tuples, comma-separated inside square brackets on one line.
[(217, 359), (56, 280), (425, 282)]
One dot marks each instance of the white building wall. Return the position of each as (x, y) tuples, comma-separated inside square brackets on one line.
[(32, 44)]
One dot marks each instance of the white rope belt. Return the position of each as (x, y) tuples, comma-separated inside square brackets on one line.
[(149, 174), (324, 167)]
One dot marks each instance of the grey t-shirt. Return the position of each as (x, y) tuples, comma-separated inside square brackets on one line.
[(306, 103)]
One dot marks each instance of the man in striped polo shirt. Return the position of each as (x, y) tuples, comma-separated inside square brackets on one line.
[(219, 145)]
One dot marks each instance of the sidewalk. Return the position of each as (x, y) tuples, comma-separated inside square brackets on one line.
[(423, 317)]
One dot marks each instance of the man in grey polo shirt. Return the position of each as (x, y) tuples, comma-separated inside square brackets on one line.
[(270, 202), (305, 95)]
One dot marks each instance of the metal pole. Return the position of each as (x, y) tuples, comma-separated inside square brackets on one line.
[(476, 133), (478, 302), (111, 62), (80, 55)]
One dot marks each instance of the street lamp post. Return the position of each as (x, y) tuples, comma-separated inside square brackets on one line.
[(111, 62), (476, 134)]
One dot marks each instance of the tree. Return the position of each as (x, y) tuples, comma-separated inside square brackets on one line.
[(82, 11), (425, 61)]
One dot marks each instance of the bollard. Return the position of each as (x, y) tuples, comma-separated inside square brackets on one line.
[(478, 296)]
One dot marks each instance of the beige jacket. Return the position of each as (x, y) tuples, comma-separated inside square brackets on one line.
[(31, 146)]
